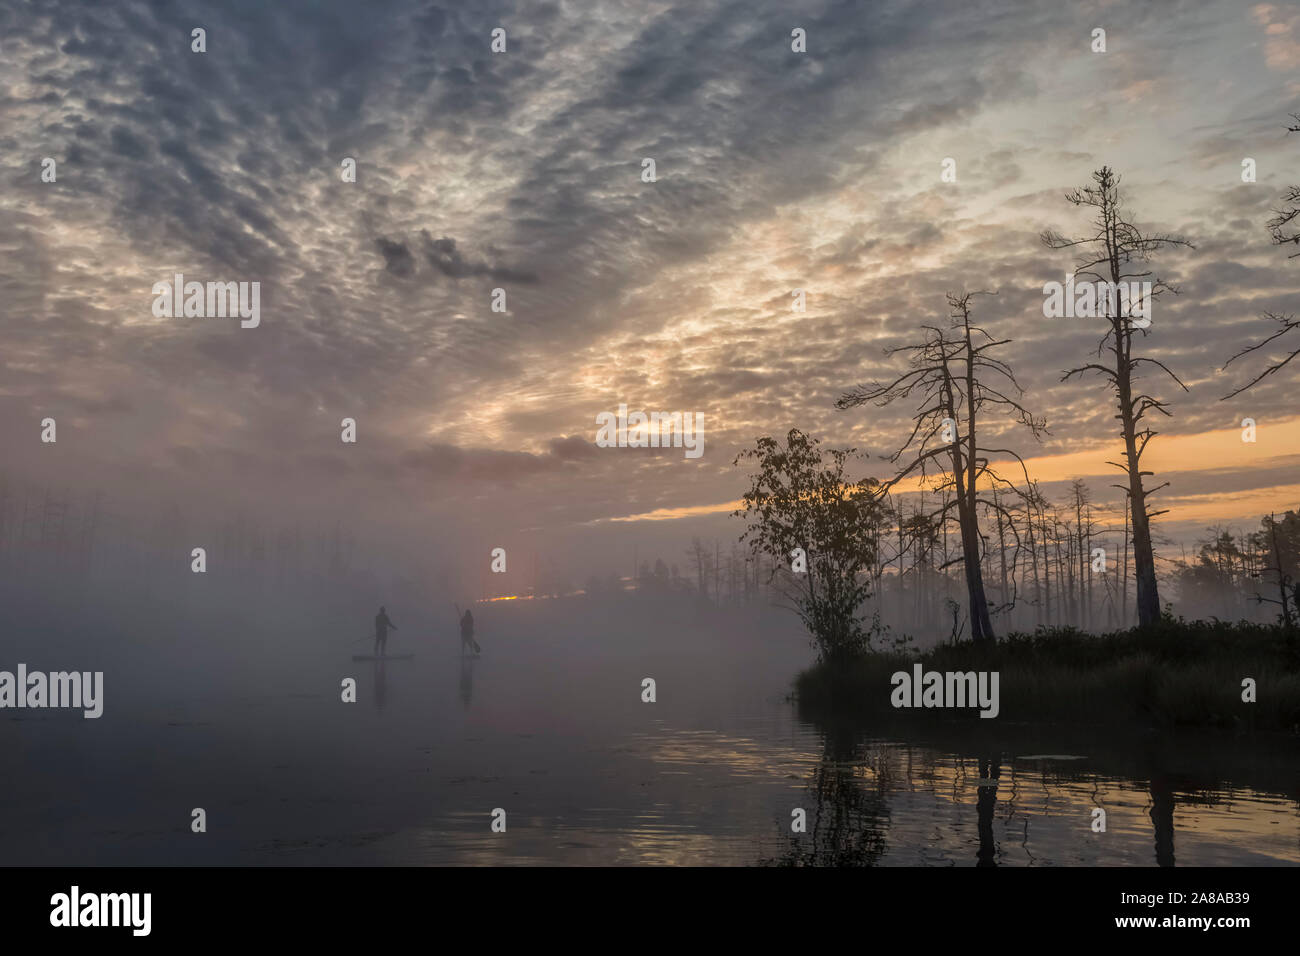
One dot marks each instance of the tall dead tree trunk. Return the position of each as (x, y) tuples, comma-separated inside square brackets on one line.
[(1108, 257), (1002, 553), (956, 377), (1033, 552)]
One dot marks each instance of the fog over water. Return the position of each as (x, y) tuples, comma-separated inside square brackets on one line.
[(235, 706)]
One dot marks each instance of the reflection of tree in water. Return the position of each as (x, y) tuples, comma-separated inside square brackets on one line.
[(985, 802), (1162, 804), (986, 797), (1162, 818), (846, 824), (850, 795)]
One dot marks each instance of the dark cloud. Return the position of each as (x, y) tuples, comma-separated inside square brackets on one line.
[(397, 258), (125, 143), (443, 255)]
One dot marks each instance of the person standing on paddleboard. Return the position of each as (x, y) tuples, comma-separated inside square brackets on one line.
[(467, 632), (382, 624)]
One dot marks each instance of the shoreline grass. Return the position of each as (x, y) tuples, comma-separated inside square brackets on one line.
[(1172, 675)]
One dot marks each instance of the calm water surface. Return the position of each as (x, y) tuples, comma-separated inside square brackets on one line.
[(552, 729)]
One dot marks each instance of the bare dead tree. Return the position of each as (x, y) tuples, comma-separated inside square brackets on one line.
[(699, 554), (1111, 254), (1287, 323), (1284, 225), (1084, 529), (1128, 537), (1283, 579), (1065, 584), (1030, 505), (1005, 592), (1285, 229), (955, 375)]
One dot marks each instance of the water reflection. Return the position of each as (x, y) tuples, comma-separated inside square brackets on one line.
[(1162, 818), (592, 775), (963, 802), (848, 821), (381, 686), (990, 771), (466, 680)]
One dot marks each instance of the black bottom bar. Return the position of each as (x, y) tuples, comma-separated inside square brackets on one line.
[(335, 905)]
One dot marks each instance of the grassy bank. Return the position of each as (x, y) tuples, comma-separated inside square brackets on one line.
[(1176, 674)]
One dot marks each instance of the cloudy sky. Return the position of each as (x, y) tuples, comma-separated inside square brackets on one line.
[(522, 171)]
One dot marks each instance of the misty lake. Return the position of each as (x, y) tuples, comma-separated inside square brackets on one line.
[(548, 724)]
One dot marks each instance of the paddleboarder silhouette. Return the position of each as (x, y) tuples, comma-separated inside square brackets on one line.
[(382, 625), (467, 632)]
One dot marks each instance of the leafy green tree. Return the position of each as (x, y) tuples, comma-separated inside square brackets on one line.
[(801, 503)]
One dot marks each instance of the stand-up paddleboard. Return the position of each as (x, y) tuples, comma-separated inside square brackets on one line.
[(383, 657)]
